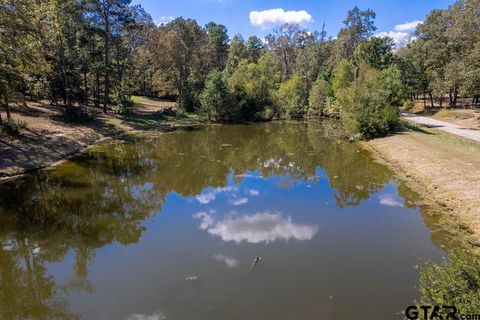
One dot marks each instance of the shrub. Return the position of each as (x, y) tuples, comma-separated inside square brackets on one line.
[(370, 107), (123, 101), (456, 282), (408, 106), (12, 126)]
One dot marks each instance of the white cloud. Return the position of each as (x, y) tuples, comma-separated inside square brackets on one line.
[(261, 227), (206, 219), (253, 192), (274, 17), (230, 262), (402, 34), (408, 26), (239, 202), (205, 198), (163, 20), (153, 316), (208, 197), (401, 38), (389, 200)]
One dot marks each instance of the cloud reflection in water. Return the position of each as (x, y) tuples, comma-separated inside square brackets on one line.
[(261, 227)]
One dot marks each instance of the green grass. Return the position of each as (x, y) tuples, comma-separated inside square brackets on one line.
[(143, 99)]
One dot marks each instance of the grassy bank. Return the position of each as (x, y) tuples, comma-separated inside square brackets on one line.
[(47, 138), (444, 168)]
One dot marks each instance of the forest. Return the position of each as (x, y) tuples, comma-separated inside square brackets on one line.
[(94, 54)]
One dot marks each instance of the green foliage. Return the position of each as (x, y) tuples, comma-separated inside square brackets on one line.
[(359, 26), (254, 84), (321, 98), (291, 99), (12, 126), (237, 51), (376, 52), (370, 106), (408, 106), (123, 101), (217, 44), (456, 282), (217, 103), (254, 49), (390, 81), (343, 75)]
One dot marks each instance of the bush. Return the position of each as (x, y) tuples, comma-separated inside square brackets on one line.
[(123, 101), (291, 97), (370, 106), (456, 282), (12, 126), (408, 106)]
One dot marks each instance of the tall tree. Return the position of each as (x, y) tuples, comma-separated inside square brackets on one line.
[(377, 52), (179, 48), (237, 51), (108, 16), (254, 48), (282, 43), (217, 45), (359, 26), (19, 48)]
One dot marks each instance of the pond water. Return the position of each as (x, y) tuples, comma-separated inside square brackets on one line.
[(169, 226)]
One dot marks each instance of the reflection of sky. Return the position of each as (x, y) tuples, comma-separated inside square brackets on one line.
[(229, 261), (390, 200), (260, 227), (210, 195), (275, 223)]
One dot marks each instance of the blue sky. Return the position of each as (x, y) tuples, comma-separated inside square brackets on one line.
[(236, 14)]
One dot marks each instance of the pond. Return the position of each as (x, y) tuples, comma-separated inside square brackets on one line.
[(170, 226)]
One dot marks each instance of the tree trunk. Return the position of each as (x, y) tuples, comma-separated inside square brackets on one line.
[(455, 96), (424, 100), (67, 94), (97, 86), (7, 107), (431, 99), (107, 68), (1, 120), (450, 98), (85, 85)]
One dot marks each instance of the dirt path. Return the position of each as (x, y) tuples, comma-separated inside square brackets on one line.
[(444, 126), (442, 167)]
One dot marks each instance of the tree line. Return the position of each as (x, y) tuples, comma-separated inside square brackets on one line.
[(96, 53)]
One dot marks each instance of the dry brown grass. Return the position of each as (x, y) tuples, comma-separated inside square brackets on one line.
[(444, 167)]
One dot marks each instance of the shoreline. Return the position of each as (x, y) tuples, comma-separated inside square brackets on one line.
[(48, 141), (436, 165), (439, 176), (47, 164)]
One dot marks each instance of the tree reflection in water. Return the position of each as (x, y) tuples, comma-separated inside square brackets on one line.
[(106, 195)]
